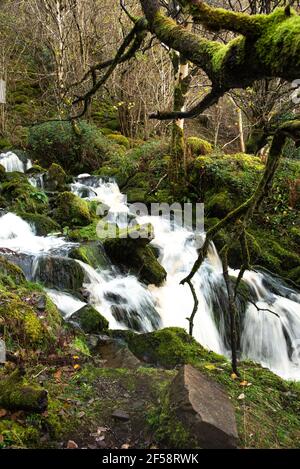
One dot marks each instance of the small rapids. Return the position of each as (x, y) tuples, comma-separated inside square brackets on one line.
[(270, 323)]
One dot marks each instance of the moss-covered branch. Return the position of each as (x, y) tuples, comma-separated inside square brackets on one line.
[(268, 47)]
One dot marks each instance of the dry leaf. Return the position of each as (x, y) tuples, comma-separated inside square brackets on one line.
[(3, 413), (234, 376), (76, 367), (244, 383), (241, 396), (57, 375), (125, 446), (72, 445)]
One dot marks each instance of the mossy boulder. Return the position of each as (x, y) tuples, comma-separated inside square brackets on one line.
[(199, 146), (130, 248), (167, 348), (71, 210), (90, 320), (42, 224), (119, 139), (23, 323), (56, 178), (91, 253), (10, 274)]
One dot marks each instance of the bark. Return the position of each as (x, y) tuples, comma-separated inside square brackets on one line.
[(269, 45), (15, 395)]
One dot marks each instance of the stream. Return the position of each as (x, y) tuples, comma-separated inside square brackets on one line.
[(270, 331)]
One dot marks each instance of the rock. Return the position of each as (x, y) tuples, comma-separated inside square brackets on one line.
[(120, 415), (90, 320), (60, 272), (41, 302), (56, 178), (91, 253), (117, 355), (131, 250), (203, 407), (71, 210)]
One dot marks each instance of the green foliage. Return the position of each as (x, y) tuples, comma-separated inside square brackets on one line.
[(21, 196), (76, 151)]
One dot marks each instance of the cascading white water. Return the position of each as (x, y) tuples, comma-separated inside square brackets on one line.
[(270, 331), (11, 162), (122, 299), (18, 236)]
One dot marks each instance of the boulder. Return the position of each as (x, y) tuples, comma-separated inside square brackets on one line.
[(90, 320), (132, 250), (56, 179), (71, 210), (59, 272), (203, 407)]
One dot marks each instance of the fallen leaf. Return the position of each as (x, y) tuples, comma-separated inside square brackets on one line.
[(210, 367), (81, 414), (75, 357), (241, 396), (72, 445), (125, 446), (76, 367), (3, 413), (57, 375), (234, 376), (244, 383)]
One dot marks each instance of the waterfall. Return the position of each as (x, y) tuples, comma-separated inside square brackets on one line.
[(270, 327), (11, 162)]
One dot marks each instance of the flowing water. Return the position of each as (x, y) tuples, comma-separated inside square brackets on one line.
[(12, 162), (270, 331)]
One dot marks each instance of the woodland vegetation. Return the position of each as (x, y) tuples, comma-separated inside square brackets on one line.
[(177, 101)]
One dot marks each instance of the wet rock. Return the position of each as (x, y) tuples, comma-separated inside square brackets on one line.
[(201, 405), (92, 254), (60, 272), (71, 210), (131, 249), (90, 320)]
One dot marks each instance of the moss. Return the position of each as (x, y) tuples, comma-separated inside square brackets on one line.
[(91, 254), (10, 271), (87, 233), (22, 197), (71, 210), (168, 348), (131, 249), (42, 224), (199, 146), (119, 139), (5, 144), (219, 204), (90, 320), (56, 178)]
